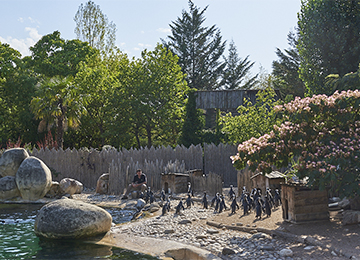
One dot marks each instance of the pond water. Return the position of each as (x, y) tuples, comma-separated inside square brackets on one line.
[(18, 239)]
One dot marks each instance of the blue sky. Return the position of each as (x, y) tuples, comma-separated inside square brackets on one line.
[(257, 27)]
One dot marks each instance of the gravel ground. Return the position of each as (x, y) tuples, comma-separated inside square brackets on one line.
[(243, 245)]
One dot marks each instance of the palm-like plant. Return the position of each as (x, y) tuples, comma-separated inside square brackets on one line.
[(58, 104)]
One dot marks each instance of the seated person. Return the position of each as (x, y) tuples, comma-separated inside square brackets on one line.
[(138, 184)]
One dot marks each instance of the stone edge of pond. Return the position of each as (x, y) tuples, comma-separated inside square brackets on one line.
[(161, 248)]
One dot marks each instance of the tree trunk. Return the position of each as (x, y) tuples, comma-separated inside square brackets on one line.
[(60, 131)]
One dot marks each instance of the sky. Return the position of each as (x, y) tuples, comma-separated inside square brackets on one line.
[(257, 27)]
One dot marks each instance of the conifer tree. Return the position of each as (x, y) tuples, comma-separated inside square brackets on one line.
[(236, 74), (199, 48)]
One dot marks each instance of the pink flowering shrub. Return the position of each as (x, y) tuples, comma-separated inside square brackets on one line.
[(321, 133)]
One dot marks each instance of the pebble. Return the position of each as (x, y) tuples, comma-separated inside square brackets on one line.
[(226, 244)]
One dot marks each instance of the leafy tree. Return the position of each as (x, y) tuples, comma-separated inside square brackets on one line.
[(350, 81), (236, 72), (191, 132), (199, 48), (320, 134), (17, 87), (99, 79), (329, 41), (52, 56), (153, 94), (92, 26), (58, 104), (286, 70), (254, 120)]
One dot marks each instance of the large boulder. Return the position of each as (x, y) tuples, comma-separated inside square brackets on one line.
[(33, 179), (8, 188), (70, 186), (102, 185), (10, 161), (71, 219), (54, 190)]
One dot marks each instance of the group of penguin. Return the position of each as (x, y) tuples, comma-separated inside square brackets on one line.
[(249, 201), (253, 201)]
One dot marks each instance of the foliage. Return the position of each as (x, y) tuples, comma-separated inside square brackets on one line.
[(191, 132), (321, 133), (58, 104), (152, 94), (17, 87), (329, 41), (92, 26), (54, 56), (237, 70), (254, 120), (48, 142), (350, 81), (199, 48), (286, 70), (98, 78)]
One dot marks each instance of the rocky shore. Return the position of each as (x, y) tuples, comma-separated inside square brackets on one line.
[(210, 235)]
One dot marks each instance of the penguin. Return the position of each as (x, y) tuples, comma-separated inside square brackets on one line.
[(277, 198), (189, 201), (245, 204), (267, 206), (204, 201), (231, 192), (222, 204), (179, 207), (213, 201), (162, 195), (258, 209), (190, 190), (234, 205)]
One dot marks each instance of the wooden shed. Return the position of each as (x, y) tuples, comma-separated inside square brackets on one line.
[(270, 180), (301, 204), (174, 182)]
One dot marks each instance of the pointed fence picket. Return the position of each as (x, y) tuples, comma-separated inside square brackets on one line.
[(87, 165)]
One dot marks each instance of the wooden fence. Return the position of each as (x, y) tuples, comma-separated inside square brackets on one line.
[(86, 165)]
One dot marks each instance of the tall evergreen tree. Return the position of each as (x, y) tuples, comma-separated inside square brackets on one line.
[(199, 48), (192, 128), (286, 70), (236, 74)]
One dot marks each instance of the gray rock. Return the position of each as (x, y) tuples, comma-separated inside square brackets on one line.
[(266, 248), (70, 186), (54, 190), (10, 161), (169, 231), (140, 203), (308, 248), (344, 204), (185, 221), (227, 251), (350, 217), (212, 231), (33, 179), (102, 184), (8, 188), (286, 252), (71, 219)]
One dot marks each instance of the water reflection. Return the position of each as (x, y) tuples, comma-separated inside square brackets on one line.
[(18, 240)]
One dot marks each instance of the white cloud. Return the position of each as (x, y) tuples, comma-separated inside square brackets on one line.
[(136, 49), (164, 30), (21, 20), (23, 45), (33, 20), (33, 33), (143, 45)]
